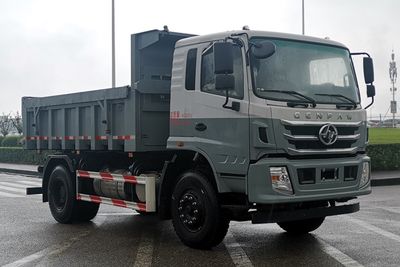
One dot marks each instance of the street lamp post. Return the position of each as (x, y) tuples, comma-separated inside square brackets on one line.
[(302, 17), (393, 77), (112, 45)]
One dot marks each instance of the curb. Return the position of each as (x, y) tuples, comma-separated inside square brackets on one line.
[(24, 172), (385, 181)]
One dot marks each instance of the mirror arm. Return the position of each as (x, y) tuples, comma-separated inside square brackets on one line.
[(370, 104), (360, 53), (235, 105), (225, 105)]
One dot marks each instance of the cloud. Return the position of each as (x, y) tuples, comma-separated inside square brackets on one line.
[(52, 47)]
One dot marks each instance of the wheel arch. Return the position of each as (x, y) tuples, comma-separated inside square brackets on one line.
[(181, 162)]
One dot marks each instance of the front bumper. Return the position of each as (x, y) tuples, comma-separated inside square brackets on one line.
[(260, 191), (302, 214)]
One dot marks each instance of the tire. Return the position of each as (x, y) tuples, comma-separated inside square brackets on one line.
[(302, 226), (62, 199), (196, 215)]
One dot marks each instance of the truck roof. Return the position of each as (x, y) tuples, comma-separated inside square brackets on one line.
[(278, 35)]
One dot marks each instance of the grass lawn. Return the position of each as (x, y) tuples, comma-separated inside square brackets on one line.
[(384, 135)]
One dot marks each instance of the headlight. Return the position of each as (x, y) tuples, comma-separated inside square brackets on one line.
[(365, 175), (280, 180)]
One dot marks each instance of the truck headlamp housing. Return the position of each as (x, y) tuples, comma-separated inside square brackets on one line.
[(280, 180), (365, 175)]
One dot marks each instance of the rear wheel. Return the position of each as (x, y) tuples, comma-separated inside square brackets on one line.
[(301, 226), (62, 200), (196, 215)]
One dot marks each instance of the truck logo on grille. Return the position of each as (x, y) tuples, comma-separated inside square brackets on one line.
[(328, 134)]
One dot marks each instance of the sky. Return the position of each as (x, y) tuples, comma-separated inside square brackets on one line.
[(50, 47)]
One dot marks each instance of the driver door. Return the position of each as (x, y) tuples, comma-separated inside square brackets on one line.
[(221, 133)]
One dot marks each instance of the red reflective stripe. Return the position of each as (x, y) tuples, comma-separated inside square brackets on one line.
[(101, 137), (123, 137), (83, 174), (84, 137), (56, 138), (106, 176), (95, 199), (130, 178), (33, 138), (79, 197), (119, 203), (68, 138), (141, 206)]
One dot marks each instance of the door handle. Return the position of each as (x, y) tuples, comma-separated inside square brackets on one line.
[(200, 126)]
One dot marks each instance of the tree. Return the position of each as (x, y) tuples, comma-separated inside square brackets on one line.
[(16, 122), (5, 124)]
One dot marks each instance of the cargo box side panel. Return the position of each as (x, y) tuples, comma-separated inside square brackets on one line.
[(57, 128), (118, 129), (43, 130), (94, 120), (29, 131), (85, 121), (99, 138)]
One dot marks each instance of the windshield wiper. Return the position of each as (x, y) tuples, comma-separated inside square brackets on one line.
[(294, 103), (352, 102)]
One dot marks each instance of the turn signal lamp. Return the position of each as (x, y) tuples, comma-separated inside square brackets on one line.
[(280, 180)]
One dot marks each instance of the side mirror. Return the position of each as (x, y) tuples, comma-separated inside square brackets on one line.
[(263, 49), (224, 82), (223, 58), (370, 90), (368, 70), (223, 66)]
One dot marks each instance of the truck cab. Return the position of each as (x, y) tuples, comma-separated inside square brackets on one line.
[(289, 128)]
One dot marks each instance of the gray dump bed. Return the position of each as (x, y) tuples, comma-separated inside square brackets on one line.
[(130, 118)]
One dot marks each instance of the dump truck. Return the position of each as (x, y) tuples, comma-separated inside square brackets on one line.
[(235, 126)]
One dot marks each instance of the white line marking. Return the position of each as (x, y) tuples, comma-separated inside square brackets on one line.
[(30, 183), (52, 250), (339, 256), (144, 254), (4, 194), (13, 185), (12, 189), (375, 229), (238, 256), (390, 209), (117, 214)]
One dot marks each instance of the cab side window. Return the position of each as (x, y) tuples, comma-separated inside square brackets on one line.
[(190, 78), (208, 76)]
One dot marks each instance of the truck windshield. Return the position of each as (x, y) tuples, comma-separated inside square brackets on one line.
[(320, 72)]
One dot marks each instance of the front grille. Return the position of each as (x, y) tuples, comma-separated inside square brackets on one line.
[(318, 145), (303, 138), (307, 176)]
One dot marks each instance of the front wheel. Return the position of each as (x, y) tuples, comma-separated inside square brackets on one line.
[(301, 226), (196, 215), (64, 206)]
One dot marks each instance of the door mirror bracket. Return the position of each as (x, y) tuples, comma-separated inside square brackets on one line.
[(368, 75), (234, 106)]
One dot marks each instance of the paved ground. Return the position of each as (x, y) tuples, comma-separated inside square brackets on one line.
[(120, 237)]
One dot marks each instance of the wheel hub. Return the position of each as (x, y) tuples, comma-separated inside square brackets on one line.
[(191, 211), (60, 195)]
